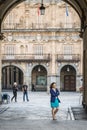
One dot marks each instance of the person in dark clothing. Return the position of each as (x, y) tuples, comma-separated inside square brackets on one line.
[(25, 92), (33, 87), (15, 89)]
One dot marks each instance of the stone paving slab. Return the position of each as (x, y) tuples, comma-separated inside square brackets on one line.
[(79, 113), (38, 106), (36, 114), (3, 109), (42, 125)]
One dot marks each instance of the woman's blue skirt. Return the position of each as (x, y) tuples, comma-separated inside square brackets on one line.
[(55, 104)]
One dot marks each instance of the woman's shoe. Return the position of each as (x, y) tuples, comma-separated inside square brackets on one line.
[(54, 119)]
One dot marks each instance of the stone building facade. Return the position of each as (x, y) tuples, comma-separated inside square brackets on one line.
[(40, 49)]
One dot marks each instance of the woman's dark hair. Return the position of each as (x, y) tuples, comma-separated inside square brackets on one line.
[(52, 85)]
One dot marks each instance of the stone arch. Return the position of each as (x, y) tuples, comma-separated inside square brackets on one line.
[(11, 4), (10, 74), (78, 76), (13, 64), (39, 77), (62, 65), (68, 78)]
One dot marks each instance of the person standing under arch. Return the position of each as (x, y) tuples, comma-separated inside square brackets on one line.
[(25, 92)]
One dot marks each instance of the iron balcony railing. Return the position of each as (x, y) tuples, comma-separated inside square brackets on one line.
[(68, 57), (26, 57), (19, 26)]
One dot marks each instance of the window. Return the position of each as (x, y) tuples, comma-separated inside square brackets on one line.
[(68, 52), (38, 49), (9, 49), (22, 49), (68, 49), (41, 80)]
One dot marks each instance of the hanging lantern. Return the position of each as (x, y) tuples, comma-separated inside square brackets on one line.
[(42, 9)]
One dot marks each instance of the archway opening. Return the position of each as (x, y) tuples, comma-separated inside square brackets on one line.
[(11, 74), (68, 78), (39, 78), (41, 42)]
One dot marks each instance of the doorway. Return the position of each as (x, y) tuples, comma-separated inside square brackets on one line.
[(68, 78)]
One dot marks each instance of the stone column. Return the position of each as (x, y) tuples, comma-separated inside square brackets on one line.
[(53, 13), (85, 66), (8, 77), (4, 78), (0, 72), (53, 66), (17, 75), (27, 76), (30, 75), (1, 38), (53, 74)]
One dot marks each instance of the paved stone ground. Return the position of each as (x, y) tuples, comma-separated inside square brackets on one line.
[(79, 113), (38, 106), (36, 114), (42, 125)]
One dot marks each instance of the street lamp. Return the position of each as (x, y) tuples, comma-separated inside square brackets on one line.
[(39, 69), (42, 8), (68, 69)]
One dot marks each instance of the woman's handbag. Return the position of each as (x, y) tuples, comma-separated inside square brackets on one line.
[(59, 100)]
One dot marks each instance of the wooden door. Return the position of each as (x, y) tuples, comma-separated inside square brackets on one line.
[(69, 83)]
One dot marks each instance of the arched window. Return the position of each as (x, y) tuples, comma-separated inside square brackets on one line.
[(26, 49), (22, 49)]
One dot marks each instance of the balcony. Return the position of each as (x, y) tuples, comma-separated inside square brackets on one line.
[(26, 57), (40, 26), (68, 58)]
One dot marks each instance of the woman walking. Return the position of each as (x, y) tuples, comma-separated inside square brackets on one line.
[(15, 89), (54, 101)]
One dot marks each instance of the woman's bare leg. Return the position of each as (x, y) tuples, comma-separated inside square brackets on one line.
[(53, 115), (56, 111)]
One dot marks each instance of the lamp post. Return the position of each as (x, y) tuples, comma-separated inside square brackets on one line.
[(42, 8), (68, 69)]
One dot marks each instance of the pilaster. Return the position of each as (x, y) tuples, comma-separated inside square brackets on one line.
[(53, 66), (0, 72), (85, 64)]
